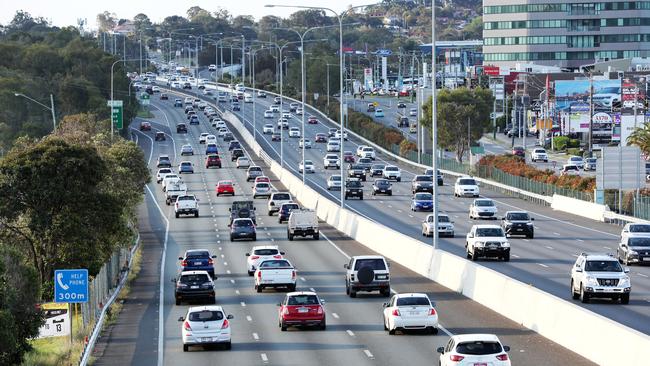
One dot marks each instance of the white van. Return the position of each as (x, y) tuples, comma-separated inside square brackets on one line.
[(248, 98)]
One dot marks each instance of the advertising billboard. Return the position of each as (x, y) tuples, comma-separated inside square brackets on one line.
[(606, 94), (634, 88)]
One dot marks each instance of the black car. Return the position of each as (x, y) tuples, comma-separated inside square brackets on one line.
[(194, 285), (439, 175), (401, 105), (242, 210), (234, 145), (164, 162), (235, 107), (178, 103), (353, 188), (181, 128), (634, 250), (285, 211), (188, 109), (236, 153), (164, 96), (422, 183), (382, 186), (357, 171), (228, 137), (377, 170), (242, 228), (187, 85), (518, 223), (160, 136)]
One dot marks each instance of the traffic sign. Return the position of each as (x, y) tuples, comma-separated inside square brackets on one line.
[(57, 320), (144, 99), (71, 285)]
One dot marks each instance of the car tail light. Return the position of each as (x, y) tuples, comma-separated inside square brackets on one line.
[(456, 358), (432, 311), (210, 261), (503, 357), (396, 312), (187, 327), (226, 324), (259, 274), (293, 275), (285, 311), (255, 257), (184, 263), (320, 309), (277, 256)]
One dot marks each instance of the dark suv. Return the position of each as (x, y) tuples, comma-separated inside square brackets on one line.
[(236, 153), (181, 128), (164, 162), (518, 223), (194, 285), (353, 188), (422, 183), (356, 171), (242, 210), (234, 145), (212, 160)]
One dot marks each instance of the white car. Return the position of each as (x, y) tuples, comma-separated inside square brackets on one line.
[(202, 105), (162, 172), (202, 137), (243, 162), (483, 208), (275, 108), (294, 132), (222, 132), (155, 89), (176, 84), (539, 154), (577, 161), (474, 349), (268, 128), (570, 169), (445, 226), (334, 182), (205, 325), (299, 111), (629, 230), (331, 161), (259, 254), (268, 114), (337, 135), (219, 124), (601, 276), (392, 172), (308, 166), (211, 139), (261, 94), (368, 152), (410, 311), (283, 124), (487, 241), (333, 146), (360, 150), (170, 178), (286, 115), (413, 112), (466, 186), (306, 142), (261, 189), (276, 200), (221, 99)]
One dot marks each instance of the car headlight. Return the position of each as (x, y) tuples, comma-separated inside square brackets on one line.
[(591, 281), (505, 244), (479, 243), (633, 252), (529, 223), (625, 282)]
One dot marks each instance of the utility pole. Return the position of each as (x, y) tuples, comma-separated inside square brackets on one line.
[(516, 112), (524, 113), (591, 113)]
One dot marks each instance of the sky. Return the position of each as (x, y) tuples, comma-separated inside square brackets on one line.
[(66, 12)]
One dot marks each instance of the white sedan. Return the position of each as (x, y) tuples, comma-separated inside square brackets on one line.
[(308, 166), (294, 132), (259, 254), (202, 137), (243, 162), (483, 208), (333, 146), (262, 189), (162, 172), (222, 131), (205, 325), (268, 114), (211, 139), (299, 111), (268, 128), (306, 142), (334, 182), (410, 311)]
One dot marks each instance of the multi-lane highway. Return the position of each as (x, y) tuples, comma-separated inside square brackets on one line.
[(354, 335), (543, 262)]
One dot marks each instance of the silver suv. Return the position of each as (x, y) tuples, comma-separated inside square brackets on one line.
[(367, 273), (600, 276)]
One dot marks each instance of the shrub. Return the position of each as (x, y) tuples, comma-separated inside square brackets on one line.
[(573, 151), (560, 142)]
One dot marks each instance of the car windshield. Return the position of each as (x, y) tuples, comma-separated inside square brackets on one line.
[(642, 228), (262, 185), (308, 162), (255, 169), (489, 232), (575, 158), (484, 203), (186, 163), (303, 300), (467, 182), (265, 251), (539, 151), (161, 171), (517, 216), (639, 242), (374, 263), (391, 169), (198, 277), (243, 223), (590, 160), (353, 184), (291, 206), (603, 266), (478, 348), (336, 178), (205, 316), (423, 197), (225, 183), (197, 254), (378, 166), (424, 178), (413, 301), (275, 264), (186, 198), (442, 218), (356, 167), (281, 197), (379, 183)]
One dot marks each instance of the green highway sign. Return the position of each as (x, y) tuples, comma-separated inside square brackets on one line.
[(117, 113)]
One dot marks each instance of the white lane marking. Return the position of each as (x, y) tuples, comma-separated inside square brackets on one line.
[(312, 289), (243, 304), (256, 337), (608, 248), (265, 359), (368, 353), (335, 246), (249, 318), (514, 255), (225, 263), (526, 240), (542, 264), (303, 279), (350, 333), (558, 234), (220, 248), (237, 292), (549, 247), (580, 240), (228, 271), (232, 281), (223, 256), (642, 275), (335, 315), (410, 215)]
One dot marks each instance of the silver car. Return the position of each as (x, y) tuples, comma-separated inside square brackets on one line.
[(334, 182), (187, 150)]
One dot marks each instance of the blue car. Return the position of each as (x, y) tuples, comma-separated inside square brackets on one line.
[(379, 113), (211, 149), (185, 167), (198, 260), (422, 202)]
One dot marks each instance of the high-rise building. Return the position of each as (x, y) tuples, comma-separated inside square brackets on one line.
[(564, 33)]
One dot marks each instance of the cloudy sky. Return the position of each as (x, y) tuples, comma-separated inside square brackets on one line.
[(66, 12)]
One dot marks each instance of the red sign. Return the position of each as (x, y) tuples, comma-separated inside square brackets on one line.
[(491, 70)]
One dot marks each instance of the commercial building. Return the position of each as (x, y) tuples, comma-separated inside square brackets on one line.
[(564, 34)]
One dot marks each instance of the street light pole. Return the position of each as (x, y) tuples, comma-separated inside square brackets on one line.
[(434, 126), (50, 108)]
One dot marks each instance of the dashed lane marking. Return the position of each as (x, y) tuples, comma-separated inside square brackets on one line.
[(542, 265)]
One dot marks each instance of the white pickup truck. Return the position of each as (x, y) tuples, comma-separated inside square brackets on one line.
[(275, 273), (302, 223), (174, 190), (186, 205)]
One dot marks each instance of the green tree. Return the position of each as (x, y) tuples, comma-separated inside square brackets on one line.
[(462, 116), (19, 317), (641, 138), (106, 21)]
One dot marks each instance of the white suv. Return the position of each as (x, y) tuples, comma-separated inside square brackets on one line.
[(466, 186), (483, 208), (539, 154), (276, 200), (331, 161), (260, 254), (599, 275), (392, 172), (368, 152), (474, 349), (487, 241)]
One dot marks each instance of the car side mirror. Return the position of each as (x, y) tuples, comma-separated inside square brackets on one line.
[(173, 279), (248, 254), (214, 256), (579, 270), (625, 231), (180, 258), (230, 209), (278, 304), (385, 305), (626, 270), (440, 350), (230, 316), (503, 219), (532, 219), (506, 348), (470, 235), (322, 301), (282, 253), (388, 264), (346, 266), (180, 318)]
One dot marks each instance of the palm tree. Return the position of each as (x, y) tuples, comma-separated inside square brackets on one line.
[(641, 138)]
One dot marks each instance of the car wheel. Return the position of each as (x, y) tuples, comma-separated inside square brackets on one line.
[(474, 256), (316, 236), (434, 330), (574, 295), (186, 348), (292, 288), (386, 292), (283, 327), (196, 214), (584, 297), (391, 331), (353, 293), (231, 238), (530, 236), (626, 260), (506, 258), (254, 237), (177, 215), (228, 345), (385, 326), (323, 325), (251, 273), (178, 301), (625, 299), (258, 288)]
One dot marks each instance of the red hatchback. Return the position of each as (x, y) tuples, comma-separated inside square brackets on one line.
[(212, 160), (225, 187), (301, 309), (348, 157), (145, 126), (312, 120), (320, 137)]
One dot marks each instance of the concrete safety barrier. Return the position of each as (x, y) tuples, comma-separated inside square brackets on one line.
[(578, 207), (557, 319)]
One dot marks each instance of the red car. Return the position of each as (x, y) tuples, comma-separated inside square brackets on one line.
[(320, 137), (519, 151), (348, 157), (145, 126), (225, 187), (212, 160), (301, 309), (312, 120), (262, 178)]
